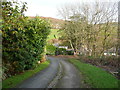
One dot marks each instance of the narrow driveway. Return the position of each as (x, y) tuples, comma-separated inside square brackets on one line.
[(43, 78), (70, 77)]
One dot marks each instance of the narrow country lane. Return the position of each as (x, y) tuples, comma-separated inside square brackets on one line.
[(43, 78), (70, 77)]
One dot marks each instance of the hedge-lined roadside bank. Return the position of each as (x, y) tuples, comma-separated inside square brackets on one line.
[(15, 80), (23, 39), (95, 76)]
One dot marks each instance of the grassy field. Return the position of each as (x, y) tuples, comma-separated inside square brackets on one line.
[(95, 76), (53, 34), (14, 80)]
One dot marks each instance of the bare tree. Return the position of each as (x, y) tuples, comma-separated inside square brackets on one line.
[(89, 24)]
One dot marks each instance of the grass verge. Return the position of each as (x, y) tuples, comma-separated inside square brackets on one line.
[(14, 80), (95, 76)]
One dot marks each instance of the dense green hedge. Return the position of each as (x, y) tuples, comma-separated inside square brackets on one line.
[(63, 51), (23, 39)]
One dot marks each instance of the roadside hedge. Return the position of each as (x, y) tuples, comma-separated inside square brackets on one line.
[(23, 39)]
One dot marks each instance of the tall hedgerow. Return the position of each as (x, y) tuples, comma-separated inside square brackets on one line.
[(23, 39)]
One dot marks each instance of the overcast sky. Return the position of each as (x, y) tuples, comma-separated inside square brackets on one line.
[(48, 8)]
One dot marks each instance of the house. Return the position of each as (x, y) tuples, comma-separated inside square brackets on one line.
[(65, 47), (112, 51)]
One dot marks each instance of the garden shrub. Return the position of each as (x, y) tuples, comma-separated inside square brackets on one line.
[(63, 51), (70, 52)]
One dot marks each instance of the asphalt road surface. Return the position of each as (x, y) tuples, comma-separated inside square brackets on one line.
[(70, 76)]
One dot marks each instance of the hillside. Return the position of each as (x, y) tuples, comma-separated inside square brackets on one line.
[(54, 34), (55, 23)]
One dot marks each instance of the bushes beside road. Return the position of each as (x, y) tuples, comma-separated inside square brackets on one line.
[(14, 80), (23, 39)]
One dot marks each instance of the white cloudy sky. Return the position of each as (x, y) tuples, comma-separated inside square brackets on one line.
[(48, 8)]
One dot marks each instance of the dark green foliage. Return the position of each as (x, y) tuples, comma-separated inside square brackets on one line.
[(63, 51), (71, 52), (50, 49), (23, 39)]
